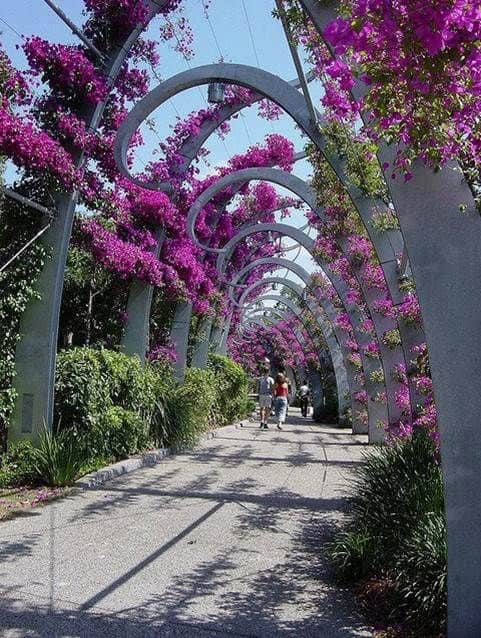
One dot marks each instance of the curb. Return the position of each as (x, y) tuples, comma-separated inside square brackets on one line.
[(146, 459)]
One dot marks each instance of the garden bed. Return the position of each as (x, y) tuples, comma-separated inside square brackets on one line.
[(17, 500)]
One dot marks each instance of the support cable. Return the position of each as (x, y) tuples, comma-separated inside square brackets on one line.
[(12, 28), (30, 241)]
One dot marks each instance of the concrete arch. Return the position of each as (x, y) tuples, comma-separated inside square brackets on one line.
[(293, 103), (342, 382), (330, 313), (389, 357), (340, 374), (444, 254), (378, 411)]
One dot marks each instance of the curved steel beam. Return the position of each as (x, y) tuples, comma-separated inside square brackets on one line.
[(343, 388), (378, 410), (330, 312)]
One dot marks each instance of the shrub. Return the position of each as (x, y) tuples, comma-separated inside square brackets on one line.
[(327, 412), (90, 384), (396, 530), (17, 465), (352, 554), (121, 433), (421, 573), (394, 488), (59, 459), (82, 392), (231, 385), (190, 407)]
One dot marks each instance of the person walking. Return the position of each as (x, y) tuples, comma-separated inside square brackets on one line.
[(304, 396), (281, 390), (266, 384)]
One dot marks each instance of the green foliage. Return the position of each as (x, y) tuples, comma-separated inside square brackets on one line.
[(121, 432), (327, 412), (360, 156), (385, 220), (392, 339), (93, 301), (59, 459), (100, 391), (353, 553), (17, 465), (396, 527), (421, 572), (231, 384), (109, 405)]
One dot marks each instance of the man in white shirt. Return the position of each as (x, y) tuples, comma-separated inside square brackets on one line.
[(304, 394), (266, 385)]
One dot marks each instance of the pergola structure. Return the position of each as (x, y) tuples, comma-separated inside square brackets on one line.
[(440, 247)]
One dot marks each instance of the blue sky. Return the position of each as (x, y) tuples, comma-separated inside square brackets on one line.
[(257, 41)]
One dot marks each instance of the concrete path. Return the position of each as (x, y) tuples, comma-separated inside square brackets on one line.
[(226, 540)]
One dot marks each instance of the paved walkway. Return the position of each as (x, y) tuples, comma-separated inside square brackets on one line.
[(226, 540)]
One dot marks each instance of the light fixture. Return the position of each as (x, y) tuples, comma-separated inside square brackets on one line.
[(215, 93)]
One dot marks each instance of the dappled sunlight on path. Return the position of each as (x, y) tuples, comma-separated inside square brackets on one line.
[(224, 540)]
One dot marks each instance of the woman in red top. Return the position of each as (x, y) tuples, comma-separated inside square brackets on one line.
[(281, 389)]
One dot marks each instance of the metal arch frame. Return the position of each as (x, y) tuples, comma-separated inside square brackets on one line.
[(342, 380), (329, 311), (292, 102), (135, 338), (36, 352), (378, 411), (389, 357)]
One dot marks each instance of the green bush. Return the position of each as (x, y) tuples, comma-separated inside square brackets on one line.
[(114, 406), (394, 489), (98, 390), (352, 553), (329, 411), (190, 407), (17, 465), (231, 385), (421, 573), (396, 528), (59, 458), (121, 433)]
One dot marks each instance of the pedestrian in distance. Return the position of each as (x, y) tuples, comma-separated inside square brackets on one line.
[(304, 397), (281, 390), (266, 385)]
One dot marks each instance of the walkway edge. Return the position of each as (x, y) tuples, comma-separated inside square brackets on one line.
[(146, 459)]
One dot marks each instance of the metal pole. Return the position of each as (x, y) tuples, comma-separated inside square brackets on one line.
[(78, 32), (28, 202), (297, 62)]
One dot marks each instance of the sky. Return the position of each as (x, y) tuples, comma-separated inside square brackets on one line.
[(241, 31)]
